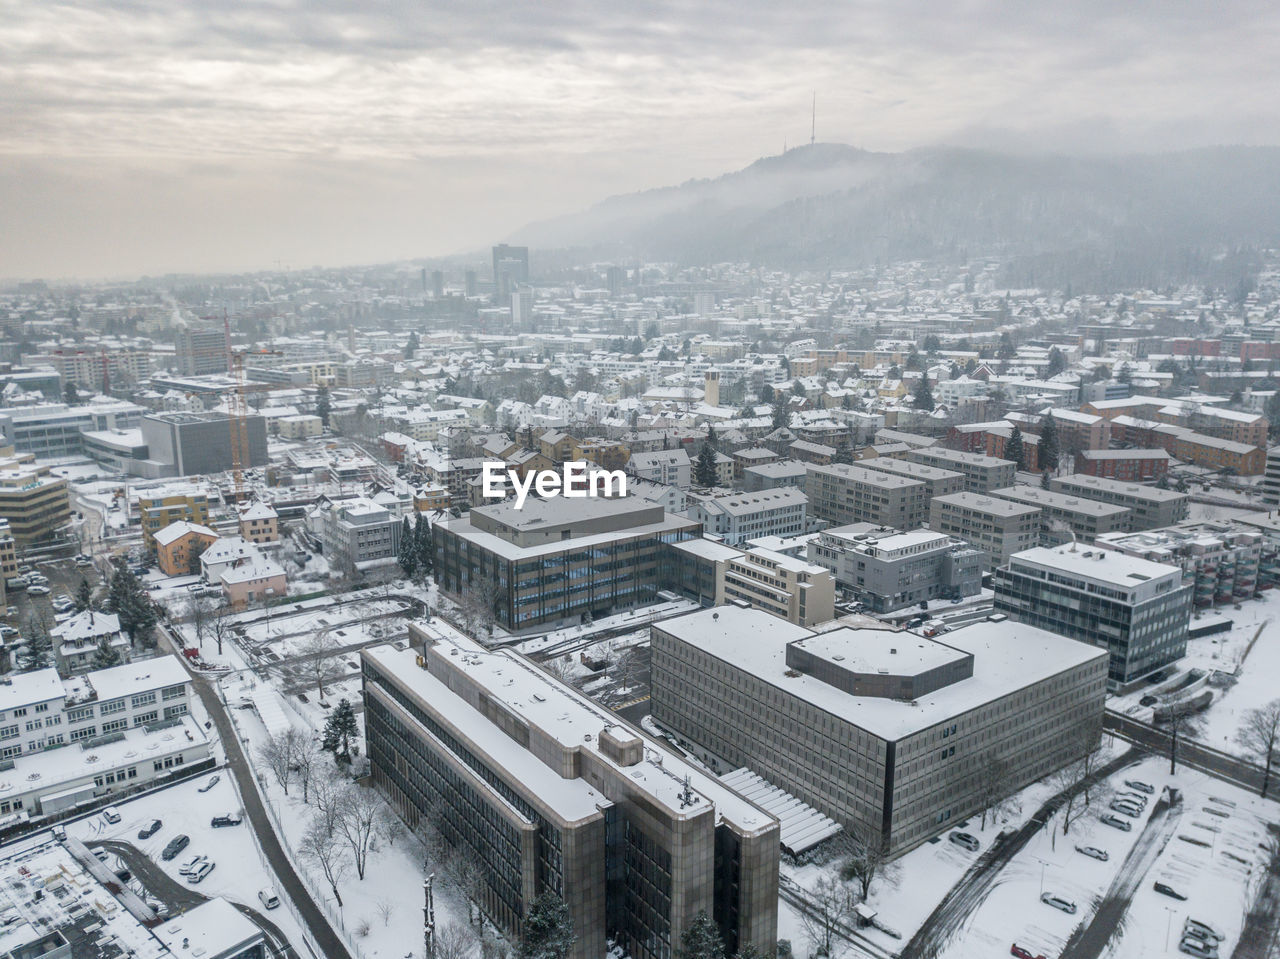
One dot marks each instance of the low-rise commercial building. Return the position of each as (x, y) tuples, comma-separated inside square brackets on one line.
[(557, 559), (197, 444), (546, 791), (1136, 609), (843, 494), (894, 736), (1150, 507), (886, 569), (998, 527), (36, 504), (981, 473), (792, 589)]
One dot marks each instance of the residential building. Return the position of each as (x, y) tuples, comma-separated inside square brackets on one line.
[(546, 791), (668, 467), (179, 546), (998, 527), (774, 475), (202, 351), (227, 553), (752, 456), (938, 482), (36, 504), (1271, 477), (789, 588), (557, 558), (190, 444), (892, 735), (356, 534), (886, 569), (981, 473), (843, 494), (259, 523), (255, 581), (1228, 456), (1224, 561), (1136, 609), (1150, 506), (738, 517), (164, 505), (76, 641), (301, 426), (1128, 466), (1064, 517)]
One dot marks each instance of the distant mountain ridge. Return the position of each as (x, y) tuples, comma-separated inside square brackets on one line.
[(1154, 218)]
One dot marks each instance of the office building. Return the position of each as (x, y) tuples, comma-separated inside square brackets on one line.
[(785, 586), (981, 473), (549, 792), (738, 517), (199, 352), (194, 444), (1063, 516), (356, 534), (775, 475), (886, 569), (938, 482), (36, 505), (998, 527), (1150, 507), (510, 270), (557, 558), (890, 734), (843, 494), (1136, 609), (53, 430), (1224, 561)]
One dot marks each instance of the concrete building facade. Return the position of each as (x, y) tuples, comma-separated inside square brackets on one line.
[(981, 473), (843, 494), (998, 527), (1150, 506)]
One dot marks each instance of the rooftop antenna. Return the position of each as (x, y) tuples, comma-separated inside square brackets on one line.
[(813, 120)]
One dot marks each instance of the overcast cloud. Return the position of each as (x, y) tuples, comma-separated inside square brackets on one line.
[(154, 135)]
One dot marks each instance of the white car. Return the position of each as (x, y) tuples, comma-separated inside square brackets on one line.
[(202, 870), (38, 590), (268, 898), (190, 865)]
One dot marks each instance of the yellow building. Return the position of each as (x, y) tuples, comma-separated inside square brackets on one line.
[(36, 504), (430, 497), (159, 508), (607, 454), (179, 545)]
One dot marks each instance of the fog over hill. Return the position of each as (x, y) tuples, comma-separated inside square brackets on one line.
[(1088, 221)]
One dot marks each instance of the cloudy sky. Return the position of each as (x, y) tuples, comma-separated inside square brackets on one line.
[(143, 136)]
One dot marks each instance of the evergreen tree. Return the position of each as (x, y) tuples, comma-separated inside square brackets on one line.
[(72, 394), (1125, 375), (711, 436), (701, 939), (411, 347), (84, 595), (1044, 479), (323, 407), (1013, 448), (548, 929), (38, 652), (781, 410), (339, 732), (422, 546), (105, 656), (1050, 443), (408, 556), (923, 399), (766, 394), (704, 470), (1057, 363), (130, 602)]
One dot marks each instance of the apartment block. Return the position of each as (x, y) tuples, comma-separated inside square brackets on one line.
[(1136, 609), (549, 792), (1150, 506), (1063, 516), (890, 734), (843, 494), (36, 504), (998, 527), (886, 569), (357, 534), (738, 517), (981, 473), (559, 558), (938, 482), (161, 507), (1129, 466), (774, 475), (792, 589)]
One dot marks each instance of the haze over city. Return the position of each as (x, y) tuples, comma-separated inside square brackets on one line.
[(143, 137)]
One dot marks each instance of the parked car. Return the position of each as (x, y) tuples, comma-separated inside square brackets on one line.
[(150, 829), (1136, 798), (1142, 787), (231, 819), (209, 785), (965, 841), (1021, 953), (1167, 890), (1197, 947), (1128, 809), (11, 610), (38, 590), (201, 871), (191, 865), (1066, 905), (1115, 822), (1093, 852), (175, 846), (111, 814), (268, 898), (1202, 930)]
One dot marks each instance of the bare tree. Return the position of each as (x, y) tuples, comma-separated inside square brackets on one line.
[(469, 877), (327, 791), (995, 785), (221, 627), (307, 759), (1075, 779), (454, 941), (864, 854), (278, 753), (319, 849), (385, 909), (1181, 724), (315, 655), (360, 813), (830, 905), (479, 605), (559, 667), (627, 667), (199, 612), (1260, 737)]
